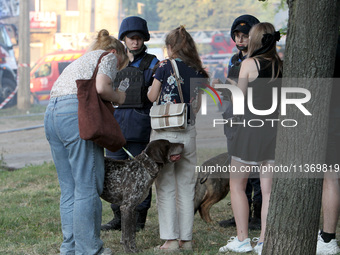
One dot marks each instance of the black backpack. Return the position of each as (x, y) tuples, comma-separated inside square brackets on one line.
[(136, 94)]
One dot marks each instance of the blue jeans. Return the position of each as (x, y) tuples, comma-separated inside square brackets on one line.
[(80, 168)]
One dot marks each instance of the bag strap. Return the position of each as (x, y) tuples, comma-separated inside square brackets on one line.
[(175, 69), (146, 62), (97, 67)]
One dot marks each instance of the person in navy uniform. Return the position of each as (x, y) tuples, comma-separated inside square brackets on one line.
[(134, 121)]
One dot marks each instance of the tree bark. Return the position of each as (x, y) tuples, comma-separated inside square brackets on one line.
[(294, 210)]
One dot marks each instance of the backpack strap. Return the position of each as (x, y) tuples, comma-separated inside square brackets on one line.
[(146, 62)]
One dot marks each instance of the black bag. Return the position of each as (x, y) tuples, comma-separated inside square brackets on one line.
[(136, 94)]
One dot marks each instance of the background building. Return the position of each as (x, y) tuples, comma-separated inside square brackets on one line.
[(63, 24), (69, 24)]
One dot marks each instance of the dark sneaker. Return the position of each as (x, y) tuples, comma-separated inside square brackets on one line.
[(255, 224), (228, 223), (114, 224), (139, 227)]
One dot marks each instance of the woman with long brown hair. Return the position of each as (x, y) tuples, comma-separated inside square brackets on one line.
[(175, 185), (254, 147)]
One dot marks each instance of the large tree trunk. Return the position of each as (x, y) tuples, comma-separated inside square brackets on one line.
[(294, 210)]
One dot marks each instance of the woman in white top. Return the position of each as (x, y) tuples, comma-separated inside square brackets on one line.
[(80, 163)]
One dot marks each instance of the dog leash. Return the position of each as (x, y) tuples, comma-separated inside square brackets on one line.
[(128, 153)]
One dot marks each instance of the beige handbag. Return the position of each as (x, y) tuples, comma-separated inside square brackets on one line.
[(170, 117)]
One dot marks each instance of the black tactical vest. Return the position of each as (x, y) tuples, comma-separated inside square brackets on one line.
[(136, 94)]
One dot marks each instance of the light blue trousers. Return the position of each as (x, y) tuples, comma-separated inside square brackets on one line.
[(80, 168)]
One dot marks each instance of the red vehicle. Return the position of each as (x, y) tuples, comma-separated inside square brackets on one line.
[(8, 64), (216, 61), (47, 70), (222, 45)]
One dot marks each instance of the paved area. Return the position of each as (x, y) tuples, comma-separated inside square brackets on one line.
[(30, 147), (24, 147)]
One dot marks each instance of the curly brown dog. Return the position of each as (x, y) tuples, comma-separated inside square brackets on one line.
[(211, 187), (127, 182)]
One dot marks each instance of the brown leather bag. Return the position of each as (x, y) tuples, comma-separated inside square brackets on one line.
[(95, 116)]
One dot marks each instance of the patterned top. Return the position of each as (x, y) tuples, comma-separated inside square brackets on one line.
[(83, 68), (190, 79), (169, 90)]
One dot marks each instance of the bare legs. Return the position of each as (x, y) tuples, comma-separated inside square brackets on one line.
[(330, 203), (266, 187), (239, 202)]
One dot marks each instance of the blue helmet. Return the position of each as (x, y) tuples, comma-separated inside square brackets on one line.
[(243, 24), (134, 25)]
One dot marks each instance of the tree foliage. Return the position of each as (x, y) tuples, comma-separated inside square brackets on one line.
[(146, 9), (204, 14), (197, 14)]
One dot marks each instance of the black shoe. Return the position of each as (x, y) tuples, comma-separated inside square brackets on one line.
[(255, 224), (231, 223), (228, 223), (114, 224)]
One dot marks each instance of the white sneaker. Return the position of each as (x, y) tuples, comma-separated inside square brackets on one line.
[(258, 248), (237, 246), (323, 248)]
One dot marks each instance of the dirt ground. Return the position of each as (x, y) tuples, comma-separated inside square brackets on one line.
[(30, 147), (25, 147)]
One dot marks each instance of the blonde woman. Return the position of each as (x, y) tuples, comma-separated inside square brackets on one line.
[(255, 146), (80, 163)]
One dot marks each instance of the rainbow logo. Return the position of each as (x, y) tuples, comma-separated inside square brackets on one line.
[(211, 95), (204, 98)]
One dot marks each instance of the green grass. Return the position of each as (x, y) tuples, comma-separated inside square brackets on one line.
[(3, 164), (30, 221), (12, 111), (34, 113), (205, 154), (29, 212)]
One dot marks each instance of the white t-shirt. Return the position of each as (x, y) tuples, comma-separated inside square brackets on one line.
[(83, 68)]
